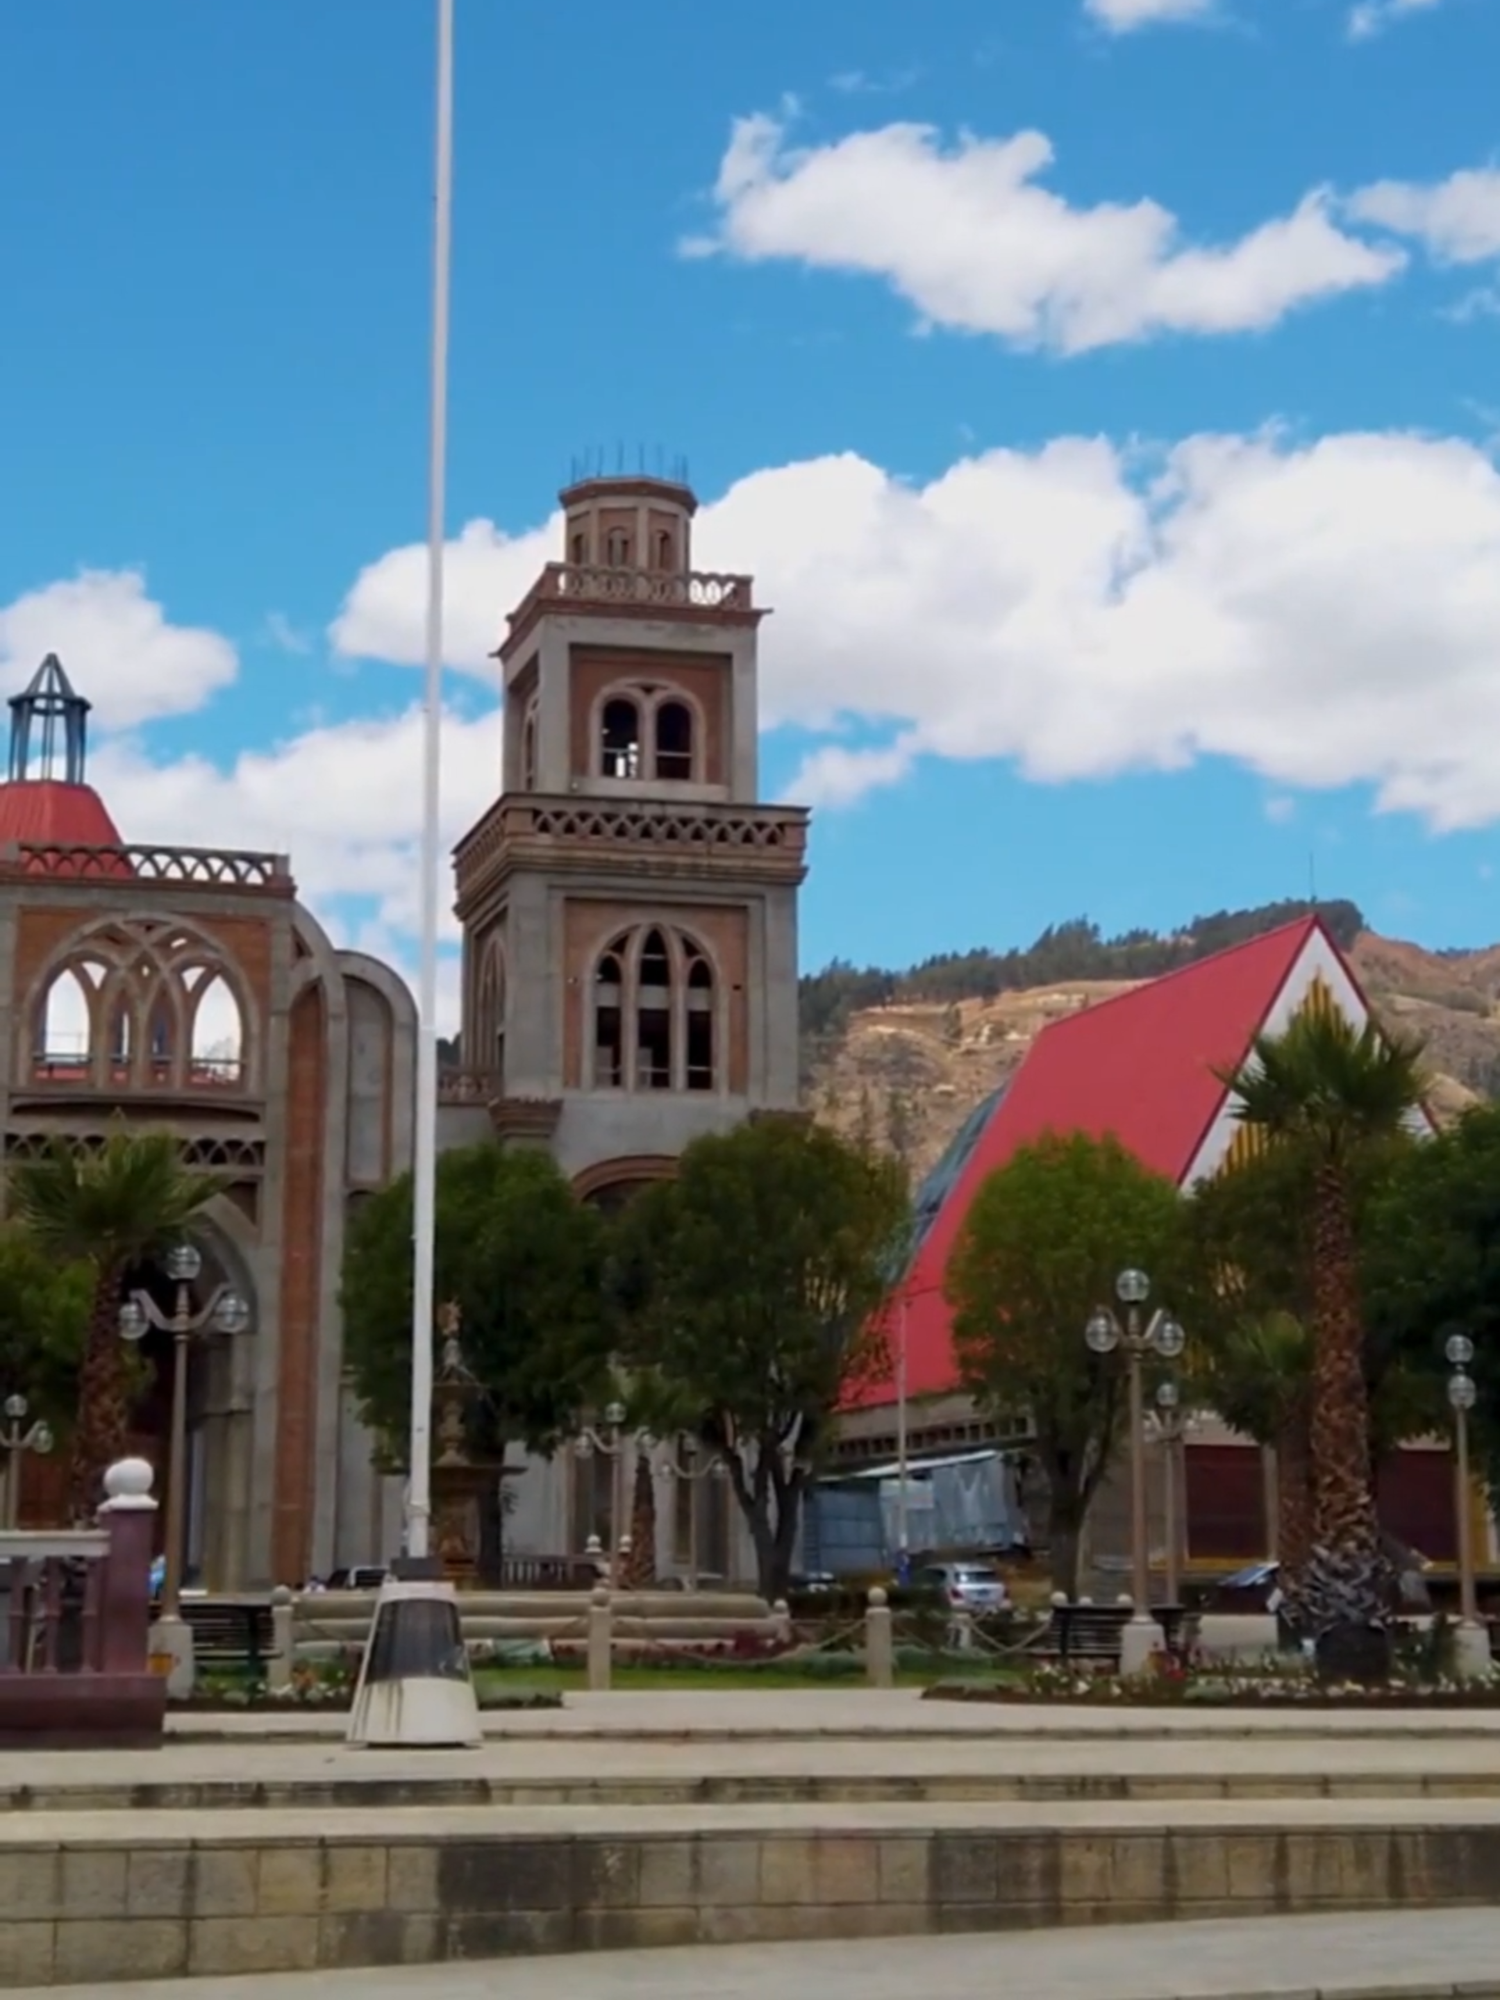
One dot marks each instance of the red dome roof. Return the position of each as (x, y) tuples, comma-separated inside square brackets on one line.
[(45, 812)]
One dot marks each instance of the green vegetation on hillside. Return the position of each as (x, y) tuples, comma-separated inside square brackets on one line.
[(1063, 952)]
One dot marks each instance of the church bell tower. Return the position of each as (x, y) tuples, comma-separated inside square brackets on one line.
[(629, 910)]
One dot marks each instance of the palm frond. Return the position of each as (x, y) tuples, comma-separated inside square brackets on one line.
[(1328, 1084), (109, 1206)]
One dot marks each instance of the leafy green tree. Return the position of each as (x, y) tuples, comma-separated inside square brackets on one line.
[(1041, 1246), (522, 1259), (1432, 1266), (44, 1312), (1330, 1093), (107, 1209), (752, 1283)]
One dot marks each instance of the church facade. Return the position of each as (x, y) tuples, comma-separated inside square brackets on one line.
[(188, 989), (629, 908)]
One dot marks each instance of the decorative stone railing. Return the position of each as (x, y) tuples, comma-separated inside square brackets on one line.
[(696, 831), (200, 867), (666, 590), (75, 1608), (468, 1086)]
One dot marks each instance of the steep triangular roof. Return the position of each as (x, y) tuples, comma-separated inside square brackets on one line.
[(1140, 1066)]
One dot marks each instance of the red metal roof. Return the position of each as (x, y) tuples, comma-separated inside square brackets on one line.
[(48, 813), (1140, 1066)]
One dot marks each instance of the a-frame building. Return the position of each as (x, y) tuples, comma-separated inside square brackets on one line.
[(1144, 1066)]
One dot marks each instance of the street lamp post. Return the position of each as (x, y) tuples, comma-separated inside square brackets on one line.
[(225, 1312), (1473, 1638), (1170, 1424), (610, 1443), (1139, 1337), (673, 1469), (14, 1440)]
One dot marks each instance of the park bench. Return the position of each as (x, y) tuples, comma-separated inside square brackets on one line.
[(548, 1573), (1095, 1632), (230, 1633)]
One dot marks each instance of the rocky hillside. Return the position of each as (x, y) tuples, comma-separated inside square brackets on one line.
[(906, 1067)]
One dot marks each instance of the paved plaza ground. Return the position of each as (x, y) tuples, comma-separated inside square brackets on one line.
[(1301, 1958), (750, 1806)]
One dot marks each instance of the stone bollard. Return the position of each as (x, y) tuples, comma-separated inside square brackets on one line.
[(601, 1628), (781, 1620), (283, 1639), (125, 1592), (880, 1662)]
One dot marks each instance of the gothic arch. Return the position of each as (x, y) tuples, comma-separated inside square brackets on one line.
[(640, 749), (655, 1012), (143, 980), (610, 1180), (491, 1001)]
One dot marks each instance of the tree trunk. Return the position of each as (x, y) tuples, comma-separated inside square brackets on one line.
[(1343, 1591), (103, 1427), (640, 1573), (1294, 1495)]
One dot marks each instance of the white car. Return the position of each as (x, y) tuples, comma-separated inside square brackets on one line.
[(966, 1586)]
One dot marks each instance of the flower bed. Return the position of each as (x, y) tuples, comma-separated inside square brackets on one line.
[(1272, 1683)]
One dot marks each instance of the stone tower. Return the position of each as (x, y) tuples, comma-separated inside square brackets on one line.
[(629, 910)]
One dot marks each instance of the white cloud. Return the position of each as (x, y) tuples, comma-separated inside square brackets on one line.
[(344, 801), (968, 235), (1321, 613), (1373, 17), (1281, 810), (486, 574), (117, 646), (1457, 220), (1122, 17)]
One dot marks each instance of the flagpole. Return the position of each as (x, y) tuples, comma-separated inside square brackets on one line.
[(424, 1176)]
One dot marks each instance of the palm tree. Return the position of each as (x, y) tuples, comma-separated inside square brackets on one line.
[(107, 1209), (1334, 1092)]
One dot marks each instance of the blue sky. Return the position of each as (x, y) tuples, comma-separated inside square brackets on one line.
[(1107, 404)]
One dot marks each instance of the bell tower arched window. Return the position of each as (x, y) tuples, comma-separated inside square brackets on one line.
[(663, 548), (617, 548), (653, 1001), (653, 1018), (674, 741), (609, 1019), (620, 739), (528, 748), (700, 1022)]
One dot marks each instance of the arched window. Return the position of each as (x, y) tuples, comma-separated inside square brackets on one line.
[(674, 741), (489, 1021), (528, 749), (617, 548), (580, 549), (663, 548), (218, 1038), (65, 1031), (653, 1015), (609, 1019), (148, 1004), (620, 739), (700, 1022)]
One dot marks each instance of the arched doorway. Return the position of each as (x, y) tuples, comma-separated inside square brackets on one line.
[(219, 1372)]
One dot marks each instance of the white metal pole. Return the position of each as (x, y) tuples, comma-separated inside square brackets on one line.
[(902, 1544), (419, 1491)]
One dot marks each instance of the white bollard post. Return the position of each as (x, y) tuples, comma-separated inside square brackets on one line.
[(880, 1662), (283, 1640), (601, 1641), (781, 1614)]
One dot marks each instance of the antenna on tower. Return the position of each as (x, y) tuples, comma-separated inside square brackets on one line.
[(1312, 877)]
